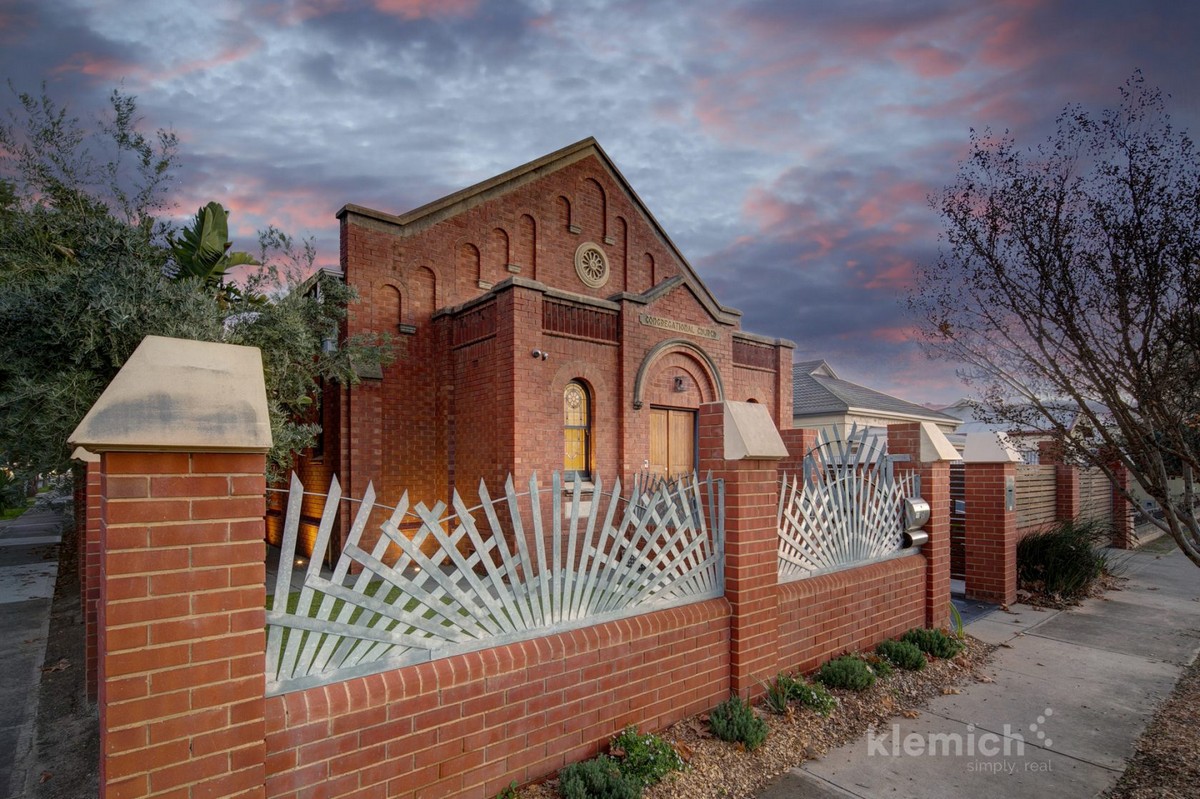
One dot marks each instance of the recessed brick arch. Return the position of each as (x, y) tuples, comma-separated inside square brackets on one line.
[(677, 345)]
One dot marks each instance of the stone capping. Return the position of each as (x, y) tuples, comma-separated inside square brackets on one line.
[(990, 448), (750, 434), (84, 456), (935, 446), (178, 395)]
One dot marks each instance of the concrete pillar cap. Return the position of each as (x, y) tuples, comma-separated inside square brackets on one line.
[(935, 446), (177, 395), (750, 434), (83, 455), (994, 447)]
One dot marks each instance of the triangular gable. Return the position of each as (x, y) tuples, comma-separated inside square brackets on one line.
[(430, 214)]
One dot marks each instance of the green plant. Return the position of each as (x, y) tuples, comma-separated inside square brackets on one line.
[(779, 692), (815, 697), (509, 792), (1063, 560), (880, 665), (644, 758), (734, 720), (903, 654), (846, 672), (599, 778), (956, 622), (933, 642)]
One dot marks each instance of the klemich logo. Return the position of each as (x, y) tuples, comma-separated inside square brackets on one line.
[(973, 744)]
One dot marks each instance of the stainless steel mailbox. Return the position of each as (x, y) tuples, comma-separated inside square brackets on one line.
[(916, 513)]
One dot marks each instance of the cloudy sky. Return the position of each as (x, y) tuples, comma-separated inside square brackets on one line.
[(787, 147)]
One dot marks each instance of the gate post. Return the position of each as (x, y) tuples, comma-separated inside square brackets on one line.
[(991, 519), (740, 445), (182, 433), (930, 454)]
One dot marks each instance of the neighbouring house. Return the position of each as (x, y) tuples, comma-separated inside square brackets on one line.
[(1027, 438), (545, 322), (822, 399)]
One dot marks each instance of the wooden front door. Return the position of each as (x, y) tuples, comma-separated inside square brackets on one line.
[(672, 442)]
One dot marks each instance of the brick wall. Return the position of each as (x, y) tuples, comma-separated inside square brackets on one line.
[(181, 625), (466, 726), (830, 614), (991, 534)]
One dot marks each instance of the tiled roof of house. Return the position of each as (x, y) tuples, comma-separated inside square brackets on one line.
[(816, 390)]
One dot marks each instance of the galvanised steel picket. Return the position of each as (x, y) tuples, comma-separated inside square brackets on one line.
[(845, 508), (436, 584)]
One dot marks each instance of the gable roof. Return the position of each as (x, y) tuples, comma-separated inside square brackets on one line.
[(817, 390), (455, 203)]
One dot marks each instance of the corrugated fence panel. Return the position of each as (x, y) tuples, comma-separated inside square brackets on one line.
[(1036, 495)]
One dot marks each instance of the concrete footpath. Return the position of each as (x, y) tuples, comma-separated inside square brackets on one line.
[(1072, 692), (28, 568)]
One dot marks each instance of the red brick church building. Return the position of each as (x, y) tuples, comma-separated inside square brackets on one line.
[(544, 321)]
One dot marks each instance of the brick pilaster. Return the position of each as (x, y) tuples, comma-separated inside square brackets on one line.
[(991, 534), (181, 641), (799, 442), (751, 554), (1066, 480), (1122, 511), (905, 439), (89, 572)]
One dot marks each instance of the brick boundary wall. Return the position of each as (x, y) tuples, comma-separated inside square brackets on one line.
[(182, 657), (853, 610), (467, 725)]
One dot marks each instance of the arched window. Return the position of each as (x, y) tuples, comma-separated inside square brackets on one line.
[(577, 431)]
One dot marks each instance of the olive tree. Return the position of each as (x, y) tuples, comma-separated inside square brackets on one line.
[(1069, 273), (87, 270)]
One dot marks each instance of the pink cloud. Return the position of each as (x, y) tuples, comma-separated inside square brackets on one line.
[(418, 9), (111, 69), (898, 276), (929, 61), (302, 10)]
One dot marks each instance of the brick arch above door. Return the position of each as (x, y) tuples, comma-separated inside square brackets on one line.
[(677, 345)]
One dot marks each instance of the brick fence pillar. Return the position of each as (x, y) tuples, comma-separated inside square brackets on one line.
[(1122, 511), (182, 433), (740, 445), (991, 533), (87, 531), (799, 442), (1066, 480), (929, 453)]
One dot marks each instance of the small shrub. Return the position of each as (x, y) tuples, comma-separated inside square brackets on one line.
[(734, 720), (598, 778), (644, 759), (509, 792), (846, 672), (1063, 560), (903, 654), (815, 697), (880, 665), (933, 642)]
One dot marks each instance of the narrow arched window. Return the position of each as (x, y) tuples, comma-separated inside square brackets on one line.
[(577, 431)]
